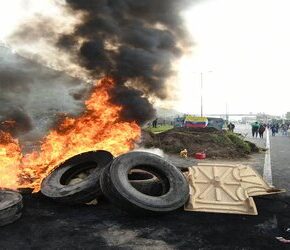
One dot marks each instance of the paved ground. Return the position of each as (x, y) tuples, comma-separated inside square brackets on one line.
[(280, 156), (48, 225)]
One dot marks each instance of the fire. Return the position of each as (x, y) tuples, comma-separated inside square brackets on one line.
[(10, 158), (99, 127)]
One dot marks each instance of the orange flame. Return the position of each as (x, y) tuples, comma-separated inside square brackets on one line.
[(99, 127), (10, 158)]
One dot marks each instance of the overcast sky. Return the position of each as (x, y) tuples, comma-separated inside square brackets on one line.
[(246, 45), (241, 46)]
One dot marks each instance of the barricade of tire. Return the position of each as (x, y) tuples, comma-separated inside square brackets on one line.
[(118, 189), (136, 182), (10, 206), (65, 183)]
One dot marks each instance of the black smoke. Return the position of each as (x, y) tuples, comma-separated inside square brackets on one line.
[(31, 96), (15, 85), (15, 120), (133, 41)]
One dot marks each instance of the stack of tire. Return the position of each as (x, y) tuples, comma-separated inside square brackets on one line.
[(136, 182), (10, 206)]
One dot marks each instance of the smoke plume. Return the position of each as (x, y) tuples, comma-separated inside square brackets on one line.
[(135, 42)]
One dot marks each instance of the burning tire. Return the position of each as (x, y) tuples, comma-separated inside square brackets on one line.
[(77, 179), (10, 206), (117, 187)]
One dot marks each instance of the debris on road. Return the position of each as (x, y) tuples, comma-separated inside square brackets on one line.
[(200, 155), (139, 182), (225, 188), (215, 189), (92, 203), (144, 183), (249, 178), (183, 153)]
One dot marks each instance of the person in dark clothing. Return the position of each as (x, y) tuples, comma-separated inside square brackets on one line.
[(262, 129), (273, 129), (277, 128), (154, 123), (255, 129), (231, 127)]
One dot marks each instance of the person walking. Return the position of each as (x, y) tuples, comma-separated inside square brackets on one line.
[(277, 128), (255, 129), (262, 129), (273, 129), (284, 128)]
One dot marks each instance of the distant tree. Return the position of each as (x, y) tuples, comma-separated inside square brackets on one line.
[(288, 115)]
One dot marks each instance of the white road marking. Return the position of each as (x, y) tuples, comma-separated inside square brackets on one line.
[(267, 174)]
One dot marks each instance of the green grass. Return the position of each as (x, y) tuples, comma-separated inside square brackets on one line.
[(239, 142), (220, 139), (159, 129)]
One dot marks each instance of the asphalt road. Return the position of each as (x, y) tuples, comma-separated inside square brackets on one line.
[(280, 156), (48, 225)]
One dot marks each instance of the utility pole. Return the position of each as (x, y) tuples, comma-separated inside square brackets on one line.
[(201, 93)]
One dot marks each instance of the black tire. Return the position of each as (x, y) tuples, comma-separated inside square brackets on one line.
[(56, 185), (10, 206), (117, 188), (146, 183)]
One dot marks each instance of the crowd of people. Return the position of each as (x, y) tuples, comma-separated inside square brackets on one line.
[(259, 128), (276, 128)]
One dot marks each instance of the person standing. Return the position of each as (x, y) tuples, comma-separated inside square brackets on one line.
[(231, 127), (277, 128), (284, 128), (154, 123), (262, 129), (255, 129), (273, 129)]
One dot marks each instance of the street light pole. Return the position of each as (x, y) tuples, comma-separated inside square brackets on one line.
[(201, 93)]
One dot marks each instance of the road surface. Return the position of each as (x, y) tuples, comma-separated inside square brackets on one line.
[(280, 156)]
